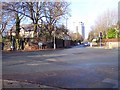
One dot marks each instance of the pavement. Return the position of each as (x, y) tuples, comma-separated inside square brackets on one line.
[(77, 67), (17, 84)]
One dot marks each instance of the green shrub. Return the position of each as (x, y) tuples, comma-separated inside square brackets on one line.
[(111, 33)]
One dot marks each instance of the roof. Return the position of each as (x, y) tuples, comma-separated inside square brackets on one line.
[(26, 27)]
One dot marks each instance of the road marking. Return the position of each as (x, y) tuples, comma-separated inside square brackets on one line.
[(51, 60), (48, 55), (33, 64)]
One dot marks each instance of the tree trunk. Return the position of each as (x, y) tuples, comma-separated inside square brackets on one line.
[(17, 31), (35, 30), (17, 26)]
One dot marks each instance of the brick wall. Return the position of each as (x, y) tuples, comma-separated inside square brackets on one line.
[(111, 40)]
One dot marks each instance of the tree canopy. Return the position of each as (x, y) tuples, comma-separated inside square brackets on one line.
[(42, 14), (106, 20)]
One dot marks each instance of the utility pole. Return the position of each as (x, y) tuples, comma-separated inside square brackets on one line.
[(54, 38)]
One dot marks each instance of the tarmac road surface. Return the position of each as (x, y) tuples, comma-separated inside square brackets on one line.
[(66, 68)]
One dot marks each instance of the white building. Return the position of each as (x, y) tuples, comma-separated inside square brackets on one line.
[(79, 27), (83, 30)]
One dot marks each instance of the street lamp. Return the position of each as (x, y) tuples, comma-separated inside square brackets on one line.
[(54, 39)]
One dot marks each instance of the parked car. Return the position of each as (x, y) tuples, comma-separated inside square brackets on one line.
[(86, 43)]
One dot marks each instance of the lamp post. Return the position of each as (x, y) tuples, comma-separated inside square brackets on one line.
[(54, 39)]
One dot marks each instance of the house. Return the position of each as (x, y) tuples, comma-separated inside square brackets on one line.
[(26, 30)]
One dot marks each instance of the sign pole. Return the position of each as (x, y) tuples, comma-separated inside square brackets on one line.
[(100, 35), (100, 42)]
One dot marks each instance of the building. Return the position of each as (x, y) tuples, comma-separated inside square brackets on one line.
[(79, 28), (83, 30), (26, 30)]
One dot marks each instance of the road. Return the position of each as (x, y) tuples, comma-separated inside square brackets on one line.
[(64, 68)]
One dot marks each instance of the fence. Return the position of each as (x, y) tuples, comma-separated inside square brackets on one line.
[(32, 44)]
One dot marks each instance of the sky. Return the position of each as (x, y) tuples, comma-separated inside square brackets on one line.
[(87, 11)]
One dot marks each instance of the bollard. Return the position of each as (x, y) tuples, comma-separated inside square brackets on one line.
[(110, 45), (90, 44)]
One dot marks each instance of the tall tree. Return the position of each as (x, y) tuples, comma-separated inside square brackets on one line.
[(53, 12), (104, 21), (34, 11), (14, 8), (7, 20), (41, 12)]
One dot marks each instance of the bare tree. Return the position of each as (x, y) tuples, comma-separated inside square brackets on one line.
[(13, 8), (61, 31), (6, 19), (76, 36), (91, 35), (53, 12), (43, 11), (104, 21), (34, 11), (31, 10)]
